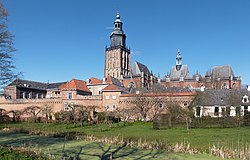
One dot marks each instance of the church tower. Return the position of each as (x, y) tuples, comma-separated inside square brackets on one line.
[(117, 57), (178, 60)]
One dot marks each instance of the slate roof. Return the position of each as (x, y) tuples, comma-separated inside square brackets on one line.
[(35, 85), (221, 97), (55, 85), (139, 68), (183, 72), (75, 84), (158, 88), (221, 72)]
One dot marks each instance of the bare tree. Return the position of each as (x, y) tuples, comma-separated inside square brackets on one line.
[(176, 113), (7, 67), (33, 111), (47, 111), (142, 105), (2, 114), (16, 115), (157, 107), (84, 113), (73, 113), (124, 113)]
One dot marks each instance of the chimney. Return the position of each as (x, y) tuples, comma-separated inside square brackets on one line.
[(104, 80), (248, 88)]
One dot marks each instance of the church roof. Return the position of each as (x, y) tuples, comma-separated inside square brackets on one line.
[(222, 71), (139, 68), (176, 74)]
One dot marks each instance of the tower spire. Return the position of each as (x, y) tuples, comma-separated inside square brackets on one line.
[(178, 60), (117, 15), (118, 37), (117, 57)]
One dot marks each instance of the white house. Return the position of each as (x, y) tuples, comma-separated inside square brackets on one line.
[(223, 102)]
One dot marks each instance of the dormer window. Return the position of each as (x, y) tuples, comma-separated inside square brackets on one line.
[(245, 99)]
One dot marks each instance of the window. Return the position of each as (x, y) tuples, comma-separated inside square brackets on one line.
[(246, 110), (39, 95), (216, 111), (224, 86), (238, 111), (234, 85), (66, 107), (70, 95), (26, 95), (113, 106), (228, 110), (198, 111), (107, 97), (245, 99), (131, 85), (21, 95), (114, 97), (160, 105), (107, 107)]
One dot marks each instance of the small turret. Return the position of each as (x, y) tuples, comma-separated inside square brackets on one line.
[(178, 60)]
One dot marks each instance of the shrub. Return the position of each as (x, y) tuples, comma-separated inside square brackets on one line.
[(166, 121), (218, 122)]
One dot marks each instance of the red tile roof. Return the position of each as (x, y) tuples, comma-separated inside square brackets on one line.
[(93, 80), (62, 86), (112, 87), (75, 84)]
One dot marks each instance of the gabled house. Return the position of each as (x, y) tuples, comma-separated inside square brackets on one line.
[(74, 89), (111, 96), (221, 102)]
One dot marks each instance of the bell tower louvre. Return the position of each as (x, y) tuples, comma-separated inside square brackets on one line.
[(117, 56)]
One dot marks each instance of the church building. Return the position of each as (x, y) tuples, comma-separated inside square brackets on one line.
[(117, 61), (219, 77)]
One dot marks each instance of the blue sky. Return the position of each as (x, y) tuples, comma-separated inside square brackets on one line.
[(58, 40)]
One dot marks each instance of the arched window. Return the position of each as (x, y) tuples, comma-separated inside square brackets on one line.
[(131, 85), (234, 85)]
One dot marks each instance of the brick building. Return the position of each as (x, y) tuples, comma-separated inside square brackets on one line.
[(121, 83), (117, 61), (219, 77)]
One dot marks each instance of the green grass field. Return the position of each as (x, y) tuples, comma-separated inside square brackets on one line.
[(200, 139), (56, 147)]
